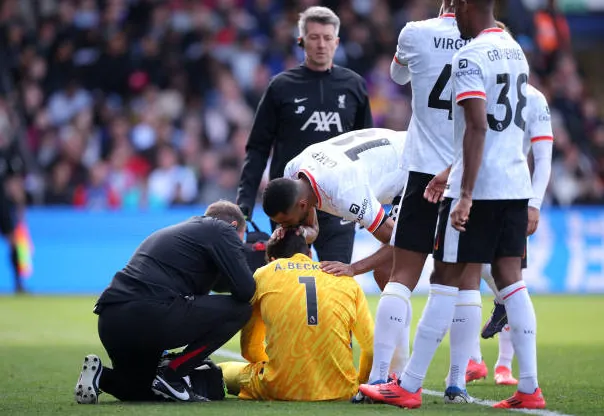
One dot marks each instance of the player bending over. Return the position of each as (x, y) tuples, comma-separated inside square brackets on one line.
[(349, 176), (298, 341)]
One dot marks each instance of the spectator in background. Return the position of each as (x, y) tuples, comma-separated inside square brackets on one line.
[(97, 194), (58, 191), (171, 183), (142, 70), (552, 34), (65, 104)]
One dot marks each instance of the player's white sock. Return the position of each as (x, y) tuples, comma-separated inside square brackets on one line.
[(487, 276), (392, 316), (523, 329), (506, 348), (433, 325), (401, 354), (464, 335)]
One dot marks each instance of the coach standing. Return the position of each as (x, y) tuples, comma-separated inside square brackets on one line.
[(302, 106)]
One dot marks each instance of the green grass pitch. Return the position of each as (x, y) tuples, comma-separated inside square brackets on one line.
[(43, 340)]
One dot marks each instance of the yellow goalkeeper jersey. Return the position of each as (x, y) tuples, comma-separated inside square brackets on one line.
[(300, 333)]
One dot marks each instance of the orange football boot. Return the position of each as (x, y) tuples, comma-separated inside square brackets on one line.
[(392, 393), (476, 371), (504, 377), (523, 401)]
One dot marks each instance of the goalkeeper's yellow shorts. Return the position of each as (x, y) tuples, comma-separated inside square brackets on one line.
[(245, 380)]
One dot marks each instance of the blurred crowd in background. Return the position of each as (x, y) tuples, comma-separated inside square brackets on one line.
[(145, 103)]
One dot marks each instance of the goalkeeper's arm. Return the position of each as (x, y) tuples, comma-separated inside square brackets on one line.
[(363, 332)]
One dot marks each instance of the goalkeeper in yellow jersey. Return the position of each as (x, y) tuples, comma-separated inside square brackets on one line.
[(298, 341)]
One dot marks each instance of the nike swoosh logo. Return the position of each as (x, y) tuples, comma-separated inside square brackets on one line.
[(344, 222), (299, 100), (182, 395)]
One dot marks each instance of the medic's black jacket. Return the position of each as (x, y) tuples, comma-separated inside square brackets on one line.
[(301, 107), (186, 259)]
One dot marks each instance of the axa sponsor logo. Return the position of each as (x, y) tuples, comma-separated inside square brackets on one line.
[(323, 121)]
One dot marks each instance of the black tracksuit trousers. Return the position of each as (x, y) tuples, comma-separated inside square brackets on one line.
[(136, 333)]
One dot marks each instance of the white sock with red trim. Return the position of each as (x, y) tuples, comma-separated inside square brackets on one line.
[(523, 329)]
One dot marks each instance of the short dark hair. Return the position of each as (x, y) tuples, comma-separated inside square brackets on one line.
[(226, 211), (285, 247), (279, 196)]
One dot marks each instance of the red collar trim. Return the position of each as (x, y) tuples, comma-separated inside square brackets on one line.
[(447, 15), (491, 30)]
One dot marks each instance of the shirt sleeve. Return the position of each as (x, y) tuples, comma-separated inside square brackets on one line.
[(542, 155), (539, 130), (258, 149), (405, 50), (468, 80), (360, 205), (228, 253), (252, 337), (539, 126), (363, 332)]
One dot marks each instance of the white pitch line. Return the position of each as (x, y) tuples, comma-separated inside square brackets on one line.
[(481, 402), (490, 403)]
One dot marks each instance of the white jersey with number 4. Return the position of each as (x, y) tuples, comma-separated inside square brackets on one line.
[(427, 47), (354, 174), (492, 67)]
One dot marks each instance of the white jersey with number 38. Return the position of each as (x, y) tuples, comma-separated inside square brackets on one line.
[(354, 174), (493, 68), (427, 47)]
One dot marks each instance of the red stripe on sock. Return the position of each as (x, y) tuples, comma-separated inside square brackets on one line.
[(514, 291), (177, 362)]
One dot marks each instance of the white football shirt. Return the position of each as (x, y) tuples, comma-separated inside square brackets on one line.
[(538, 124), (493, 67), (538, 137), (427, 47), (354, 174)]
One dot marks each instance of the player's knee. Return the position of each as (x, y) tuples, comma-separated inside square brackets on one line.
[(405, 277), (506, 271), (407, 266), (381, 275)]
